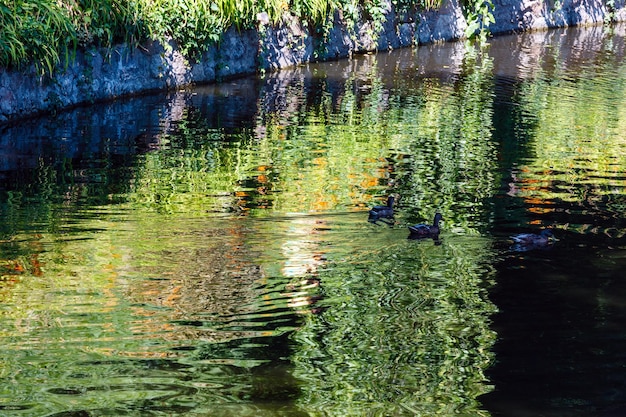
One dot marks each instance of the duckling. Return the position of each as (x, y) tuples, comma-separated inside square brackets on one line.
[(419, 231), (382, 212), (527, 241)]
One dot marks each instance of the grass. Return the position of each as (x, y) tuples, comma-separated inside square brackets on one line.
[(47, 32)]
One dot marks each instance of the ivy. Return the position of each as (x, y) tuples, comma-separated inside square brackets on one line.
[(479, 15)]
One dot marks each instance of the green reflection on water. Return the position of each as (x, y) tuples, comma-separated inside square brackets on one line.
[(406, 334), (225, 241), (231, 271), (574, 121)]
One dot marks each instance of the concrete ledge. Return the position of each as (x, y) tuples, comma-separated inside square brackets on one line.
[(105, 74)]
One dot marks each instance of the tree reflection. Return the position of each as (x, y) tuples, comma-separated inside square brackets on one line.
[(407, 334)]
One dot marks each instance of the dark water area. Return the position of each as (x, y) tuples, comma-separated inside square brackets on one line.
[(208, 251)]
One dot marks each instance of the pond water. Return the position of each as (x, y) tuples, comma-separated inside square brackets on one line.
[(207, 252)]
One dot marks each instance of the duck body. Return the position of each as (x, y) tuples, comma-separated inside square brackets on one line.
[(382, 212), (528, 241), (544, 237), (426, 230)]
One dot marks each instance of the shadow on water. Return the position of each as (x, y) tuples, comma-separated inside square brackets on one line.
[(207, 252), (560, 346)]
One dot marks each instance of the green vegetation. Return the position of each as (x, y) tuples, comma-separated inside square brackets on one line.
[(47, 32), (479, 16), (39, 30)]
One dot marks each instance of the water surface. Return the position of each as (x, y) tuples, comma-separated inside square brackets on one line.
[(207, 252)]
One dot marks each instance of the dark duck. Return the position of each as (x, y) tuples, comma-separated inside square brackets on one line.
[(528, 241), (382, 212), (420, 231)]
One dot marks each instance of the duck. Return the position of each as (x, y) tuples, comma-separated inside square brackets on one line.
[(426, 230), (528, 241), (382, 212)]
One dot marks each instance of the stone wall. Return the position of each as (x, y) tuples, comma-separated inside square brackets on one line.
[(104, 74)]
